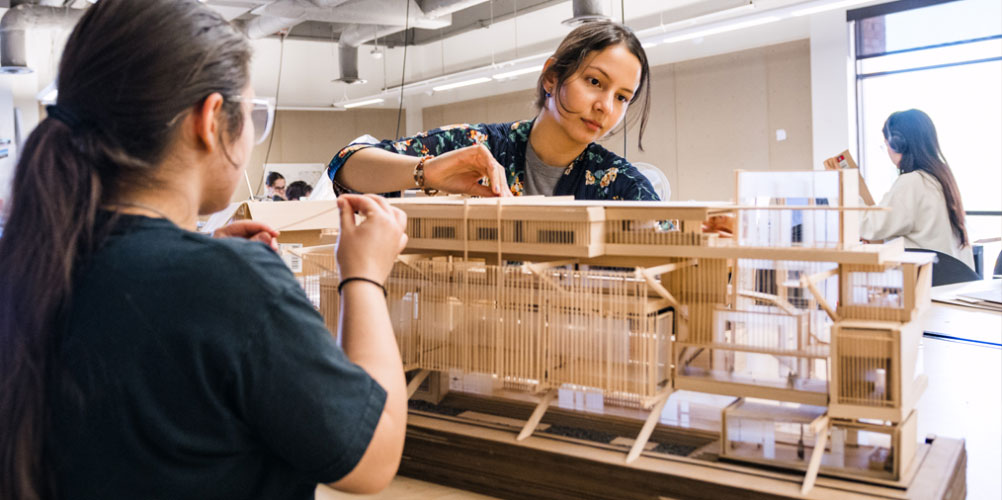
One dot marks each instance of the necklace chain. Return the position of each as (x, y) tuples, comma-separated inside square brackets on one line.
[(142, 206)]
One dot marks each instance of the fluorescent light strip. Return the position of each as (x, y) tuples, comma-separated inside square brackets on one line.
[(721, 29), (361, 103), (464, 83), (829, 6), (518, 72)]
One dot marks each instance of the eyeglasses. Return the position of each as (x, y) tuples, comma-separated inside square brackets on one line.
[(262, 116)]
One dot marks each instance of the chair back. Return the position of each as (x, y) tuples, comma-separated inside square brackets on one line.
[(948, 269)]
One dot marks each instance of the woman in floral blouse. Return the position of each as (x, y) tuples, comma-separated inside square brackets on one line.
[(583, 93)]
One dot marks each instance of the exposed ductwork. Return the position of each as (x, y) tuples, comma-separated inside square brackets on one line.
[(358, 34), (23, 16), (262, 26), (437, 8), (587, 11), (368, 19), (285, 14), (348, 44)]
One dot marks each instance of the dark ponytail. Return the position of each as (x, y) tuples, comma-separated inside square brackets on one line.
[(130, 69), (912, 134)]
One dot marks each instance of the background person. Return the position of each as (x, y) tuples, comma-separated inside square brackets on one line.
[(926, 209), (275, 184), (298, 190)]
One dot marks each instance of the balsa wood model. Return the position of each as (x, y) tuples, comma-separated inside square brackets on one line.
[(815, 333)]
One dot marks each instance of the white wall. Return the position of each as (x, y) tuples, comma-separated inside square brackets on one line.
[(833, 96)]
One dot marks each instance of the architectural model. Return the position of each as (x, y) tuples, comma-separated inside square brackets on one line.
[(814, 333)]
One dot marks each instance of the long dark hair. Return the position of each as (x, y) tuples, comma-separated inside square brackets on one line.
[(588, 38), (129, 71), (912, 134)]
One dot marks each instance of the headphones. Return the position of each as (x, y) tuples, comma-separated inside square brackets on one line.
[(896, 141)]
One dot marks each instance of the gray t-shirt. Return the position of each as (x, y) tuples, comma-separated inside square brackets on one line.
[(540, 178)]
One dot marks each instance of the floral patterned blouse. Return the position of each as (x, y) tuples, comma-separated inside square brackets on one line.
[(596, 174)]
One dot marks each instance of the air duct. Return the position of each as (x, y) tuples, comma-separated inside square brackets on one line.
[(347, 58), (347, 48), (357, 34), (283, 15), (18, 20), (368, 19), (437, 8), (587, 11)]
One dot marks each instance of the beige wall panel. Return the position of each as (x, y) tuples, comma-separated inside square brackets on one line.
[(659, 139), (511, 107), (721, 105), (494, 109), (380, 123), (465, 112), (789, 83), (432, 117)]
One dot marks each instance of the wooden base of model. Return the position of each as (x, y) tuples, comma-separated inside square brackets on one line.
[(477, 453)]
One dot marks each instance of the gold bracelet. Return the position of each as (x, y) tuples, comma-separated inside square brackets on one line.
[(419, 176)]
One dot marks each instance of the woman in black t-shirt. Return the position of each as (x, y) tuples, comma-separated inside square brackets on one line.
[(140, 359)]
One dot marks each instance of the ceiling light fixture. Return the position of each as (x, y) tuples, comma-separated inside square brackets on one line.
[(722, 28), (362, 103), (464, 83), (518, 72)]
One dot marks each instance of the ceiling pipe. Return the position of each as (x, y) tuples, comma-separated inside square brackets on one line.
[(263, 26), (347, 48), (21, 17), (437, 8), (357, 34), (587, 11), (283, 15), (377, 19), (388, 12)]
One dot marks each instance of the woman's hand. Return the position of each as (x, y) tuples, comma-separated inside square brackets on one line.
[(251, 230), (369, 249), (460, 171), (720, 224)]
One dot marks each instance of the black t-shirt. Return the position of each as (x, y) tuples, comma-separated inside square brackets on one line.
[(195, 367)]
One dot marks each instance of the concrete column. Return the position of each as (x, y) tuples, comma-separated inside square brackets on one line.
[(414, 107), (833, 95)]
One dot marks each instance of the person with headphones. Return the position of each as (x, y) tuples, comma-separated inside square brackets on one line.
[(926, 209)]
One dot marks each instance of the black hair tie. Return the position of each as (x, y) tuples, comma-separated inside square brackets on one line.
[(359, 278), (65, 115)]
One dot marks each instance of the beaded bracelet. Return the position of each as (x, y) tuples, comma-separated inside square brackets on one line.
[(419, 176), (359, 278)]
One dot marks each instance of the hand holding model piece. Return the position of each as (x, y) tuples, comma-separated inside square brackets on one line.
[(461, 170), (369, 249), (251, 230)]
